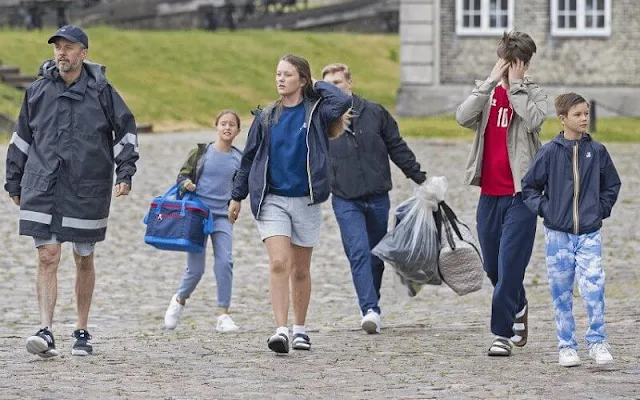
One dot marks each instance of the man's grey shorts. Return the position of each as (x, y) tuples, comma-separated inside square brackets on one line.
[(81, 249), (293, 217)]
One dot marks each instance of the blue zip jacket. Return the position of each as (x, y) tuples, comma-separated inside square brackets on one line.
[(573, 185), (320, 113)]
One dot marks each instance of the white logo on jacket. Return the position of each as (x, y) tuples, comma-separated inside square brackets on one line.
[(588, 154)]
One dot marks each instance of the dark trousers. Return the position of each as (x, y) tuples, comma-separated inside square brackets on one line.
[(506, 231), (363, 223)]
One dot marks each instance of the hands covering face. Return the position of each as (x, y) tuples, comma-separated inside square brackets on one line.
[(513, 70), (499, 70), (516, 70)]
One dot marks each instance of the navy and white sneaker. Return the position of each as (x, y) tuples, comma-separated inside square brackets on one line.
[(42, 343), (81, 346), (279, 343), (301, 342)]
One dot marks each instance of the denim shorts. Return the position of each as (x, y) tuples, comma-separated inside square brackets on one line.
[(293, 217), (81, 249)]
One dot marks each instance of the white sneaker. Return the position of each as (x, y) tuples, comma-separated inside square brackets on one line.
[(600, 353), (174, 311), (371, 322), (225, 324), (568, 357)]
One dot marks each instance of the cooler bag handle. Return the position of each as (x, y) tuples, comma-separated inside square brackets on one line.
[(183, 208), (173, 191), (208, 223)]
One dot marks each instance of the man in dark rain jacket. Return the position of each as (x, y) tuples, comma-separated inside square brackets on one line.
[(72, 128), (360, 185)]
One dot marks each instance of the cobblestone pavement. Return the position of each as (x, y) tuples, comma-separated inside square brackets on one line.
[(433, 346)]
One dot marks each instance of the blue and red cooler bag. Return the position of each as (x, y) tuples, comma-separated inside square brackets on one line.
[(178, 224)]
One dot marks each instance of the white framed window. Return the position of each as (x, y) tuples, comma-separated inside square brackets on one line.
[(484, 17), (581, 17)]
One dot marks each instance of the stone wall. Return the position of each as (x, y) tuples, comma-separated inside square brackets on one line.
[(611, 61), (418, 42), (365, 16), (175, 21), (438, 67)]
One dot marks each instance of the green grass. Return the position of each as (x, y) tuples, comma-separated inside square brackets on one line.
[(188, 76), (607, 129), (180, 79), (10, 100)]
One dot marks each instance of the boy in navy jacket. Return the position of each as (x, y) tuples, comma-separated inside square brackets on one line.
[(572, 184)]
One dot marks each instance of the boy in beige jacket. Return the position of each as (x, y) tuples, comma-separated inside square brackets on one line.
[(506, 110)]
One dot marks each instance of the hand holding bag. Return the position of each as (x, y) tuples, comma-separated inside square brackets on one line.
[(413, 245), (178, 224)]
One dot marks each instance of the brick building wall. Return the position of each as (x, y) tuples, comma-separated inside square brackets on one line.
[(438, 66), (608, 61)]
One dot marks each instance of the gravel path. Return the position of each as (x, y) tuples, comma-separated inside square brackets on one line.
[(433, 346)]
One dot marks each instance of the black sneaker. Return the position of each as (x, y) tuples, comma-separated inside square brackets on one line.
[(279, 343), (81, 346), (42, 344), (301, 342)]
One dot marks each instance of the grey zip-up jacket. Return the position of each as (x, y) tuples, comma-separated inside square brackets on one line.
[(529, 105), (62, 154)]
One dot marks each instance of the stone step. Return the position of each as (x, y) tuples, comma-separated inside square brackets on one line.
[(145, 128), (13, 79), (21, 85), (8, 70)]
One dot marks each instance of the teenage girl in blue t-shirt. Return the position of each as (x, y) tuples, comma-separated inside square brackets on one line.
[(284, 170)]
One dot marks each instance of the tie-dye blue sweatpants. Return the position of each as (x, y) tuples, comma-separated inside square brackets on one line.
[(569, 255)]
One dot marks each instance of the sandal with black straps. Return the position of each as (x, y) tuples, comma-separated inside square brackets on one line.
[(521, 328)]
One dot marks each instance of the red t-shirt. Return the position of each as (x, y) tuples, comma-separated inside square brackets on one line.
[(496, 176)]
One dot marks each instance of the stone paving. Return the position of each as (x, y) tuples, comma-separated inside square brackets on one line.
[(433, 346)]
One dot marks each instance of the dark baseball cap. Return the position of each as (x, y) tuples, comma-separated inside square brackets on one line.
[(72, 33)]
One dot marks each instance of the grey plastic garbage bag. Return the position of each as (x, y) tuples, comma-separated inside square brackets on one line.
[(412, 246)]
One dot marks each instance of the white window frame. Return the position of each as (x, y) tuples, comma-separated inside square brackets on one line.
[(484, 29), (581, 18)]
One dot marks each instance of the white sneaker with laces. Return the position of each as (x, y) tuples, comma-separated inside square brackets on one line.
[(568, 357), (225, 324), (600, 353), (174, 311), (371, 322)]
